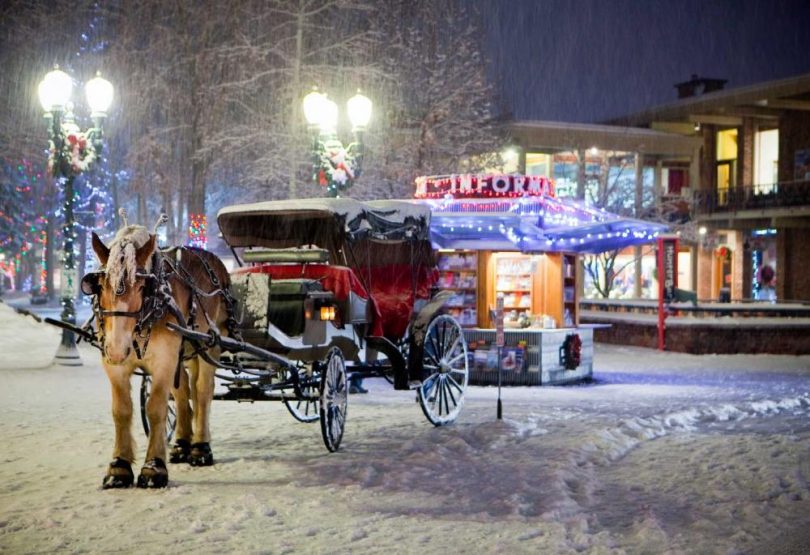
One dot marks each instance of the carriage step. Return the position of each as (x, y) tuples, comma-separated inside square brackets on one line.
[(414, 384)]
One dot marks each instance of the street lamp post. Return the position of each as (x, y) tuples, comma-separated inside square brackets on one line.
[(71, 152), (335, 166)]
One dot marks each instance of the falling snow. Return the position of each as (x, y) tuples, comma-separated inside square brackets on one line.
[(663, 452)]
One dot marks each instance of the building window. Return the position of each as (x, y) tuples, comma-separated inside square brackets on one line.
[(726, 163), (766, 161), (538, 163), (674, 180)]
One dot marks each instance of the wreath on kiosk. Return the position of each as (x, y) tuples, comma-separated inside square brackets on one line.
[(571, 352)]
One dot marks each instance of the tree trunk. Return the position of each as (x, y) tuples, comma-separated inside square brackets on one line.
[(296, 91), (581, 174), (638, 209), (49, 257)]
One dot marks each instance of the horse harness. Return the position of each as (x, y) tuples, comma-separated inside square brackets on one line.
[(158, 301)]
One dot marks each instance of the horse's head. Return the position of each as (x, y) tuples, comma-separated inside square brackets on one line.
[(122, 288)]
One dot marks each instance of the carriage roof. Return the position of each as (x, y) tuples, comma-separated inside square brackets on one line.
[(323, 221)]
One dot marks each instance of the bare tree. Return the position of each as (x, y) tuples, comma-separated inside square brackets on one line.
[(612, 187), (439, 113)]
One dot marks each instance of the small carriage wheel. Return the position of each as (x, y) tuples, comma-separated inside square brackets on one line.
[(306, 410), (334, 398), (446, 366), (171, 416)]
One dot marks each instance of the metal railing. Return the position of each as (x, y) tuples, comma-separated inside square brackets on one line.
[(753, 197)]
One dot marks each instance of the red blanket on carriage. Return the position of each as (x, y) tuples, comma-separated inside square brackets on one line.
[(392, 289)]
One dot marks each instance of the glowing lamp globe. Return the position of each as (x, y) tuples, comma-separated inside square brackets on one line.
[(329, 116), (99, 95), (54, 90), (359, 107), (314, 107)]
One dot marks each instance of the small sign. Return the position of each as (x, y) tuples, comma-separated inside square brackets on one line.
[(70, 283), (669, 263), (499, 340)]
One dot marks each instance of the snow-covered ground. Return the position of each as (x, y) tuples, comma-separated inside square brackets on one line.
[(662, 453)]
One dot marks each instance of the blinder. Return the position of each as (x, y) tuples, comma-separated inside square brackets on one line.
[(150, 283), (91, 283)]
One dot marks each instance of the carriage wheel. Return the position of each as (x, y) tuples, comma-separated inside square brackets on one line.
[(171, 416), (334, 399), (445, 362), (306, 410)]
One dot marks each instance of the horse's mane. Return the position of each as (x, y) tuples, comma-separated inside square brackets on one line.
[(121, 262)]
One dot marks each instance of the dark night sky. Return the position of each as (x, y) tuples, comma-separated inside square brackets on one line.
[(590, 60)]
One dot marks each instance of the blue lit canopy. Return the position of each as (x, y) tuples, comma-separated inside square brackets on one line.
[(533, 224)]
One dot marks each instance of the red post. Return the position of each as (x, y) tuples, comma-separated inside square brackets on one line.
[(667, 281)]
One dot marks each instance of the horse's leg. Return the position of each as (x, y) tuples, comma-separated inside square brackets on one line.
[(203, 387), (119, 473), (182, 444), (154, 473)]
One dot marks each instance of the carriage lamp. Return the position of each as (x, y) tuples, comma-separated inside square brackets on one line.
[(333, 165), (71, 152), (327, 313)]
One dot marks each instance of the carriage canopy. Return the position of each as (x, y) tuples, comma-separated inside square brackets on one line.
[(326, 222)]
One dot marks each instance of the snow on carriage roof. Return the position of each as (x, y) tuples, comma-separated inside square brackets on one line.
[(393, 210), (282, 222)]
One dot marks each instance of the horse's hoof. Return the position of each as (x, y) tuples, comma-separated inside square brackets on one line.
[(119, 475), (153, 474), (201, 455), (180, 451)]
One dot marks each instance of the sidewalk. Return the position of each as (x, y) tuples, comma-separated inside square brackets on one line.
[(21, 302)]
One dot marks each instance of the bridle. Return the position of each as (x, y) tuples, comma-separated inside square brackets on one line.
[(155, 301)]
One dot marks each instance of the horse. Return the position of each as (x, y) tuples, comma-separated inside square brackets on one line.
[(137, 292)]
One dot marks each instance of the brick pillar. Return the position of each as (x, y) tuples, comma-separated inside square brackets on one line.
[(705, 268), (747, 269), (708, 158), (792, 254), (745, 153)]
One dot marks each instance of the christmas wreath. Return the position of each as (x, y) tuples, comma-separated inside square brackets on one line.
[(337, 168), (724, 253), (77, 150), (571, 352)]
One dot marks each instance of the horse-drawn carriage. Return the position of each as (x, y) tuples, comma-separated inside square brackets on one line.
[(322, 287), (330, 284)]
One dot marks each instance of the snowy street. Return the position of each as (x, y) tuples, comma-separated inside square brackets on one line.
[(662, 453)]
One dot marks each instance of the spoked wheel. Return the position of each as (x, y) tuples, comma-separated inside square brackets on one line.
[(334, 399), (306, 410), (171, 416), (444, 360)]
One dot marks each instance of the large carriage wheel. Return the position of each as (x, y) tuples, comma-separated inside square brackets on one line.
[(444, 359), (334, 398), (171, 416), (306, 410)]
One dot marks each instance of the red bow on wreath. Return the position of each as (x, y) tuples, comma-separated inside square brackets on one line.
[(75, 140)]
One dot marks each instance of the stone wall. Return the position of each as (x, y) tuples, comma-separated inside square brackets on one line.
[(705, 339)]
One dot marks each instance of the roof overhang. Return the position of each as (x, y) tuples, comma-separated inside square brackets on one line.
[(534, 224)]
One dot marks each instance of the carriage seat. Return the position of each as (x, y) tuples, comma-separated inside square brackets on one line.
[(287, 256), (353, 301)]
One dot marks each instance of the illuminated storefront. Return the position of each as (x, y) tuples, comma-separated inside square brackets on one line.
[(510, 237)]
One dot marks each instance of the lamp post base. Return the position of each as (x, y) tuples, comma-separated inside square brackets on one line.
[(67, 355)]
